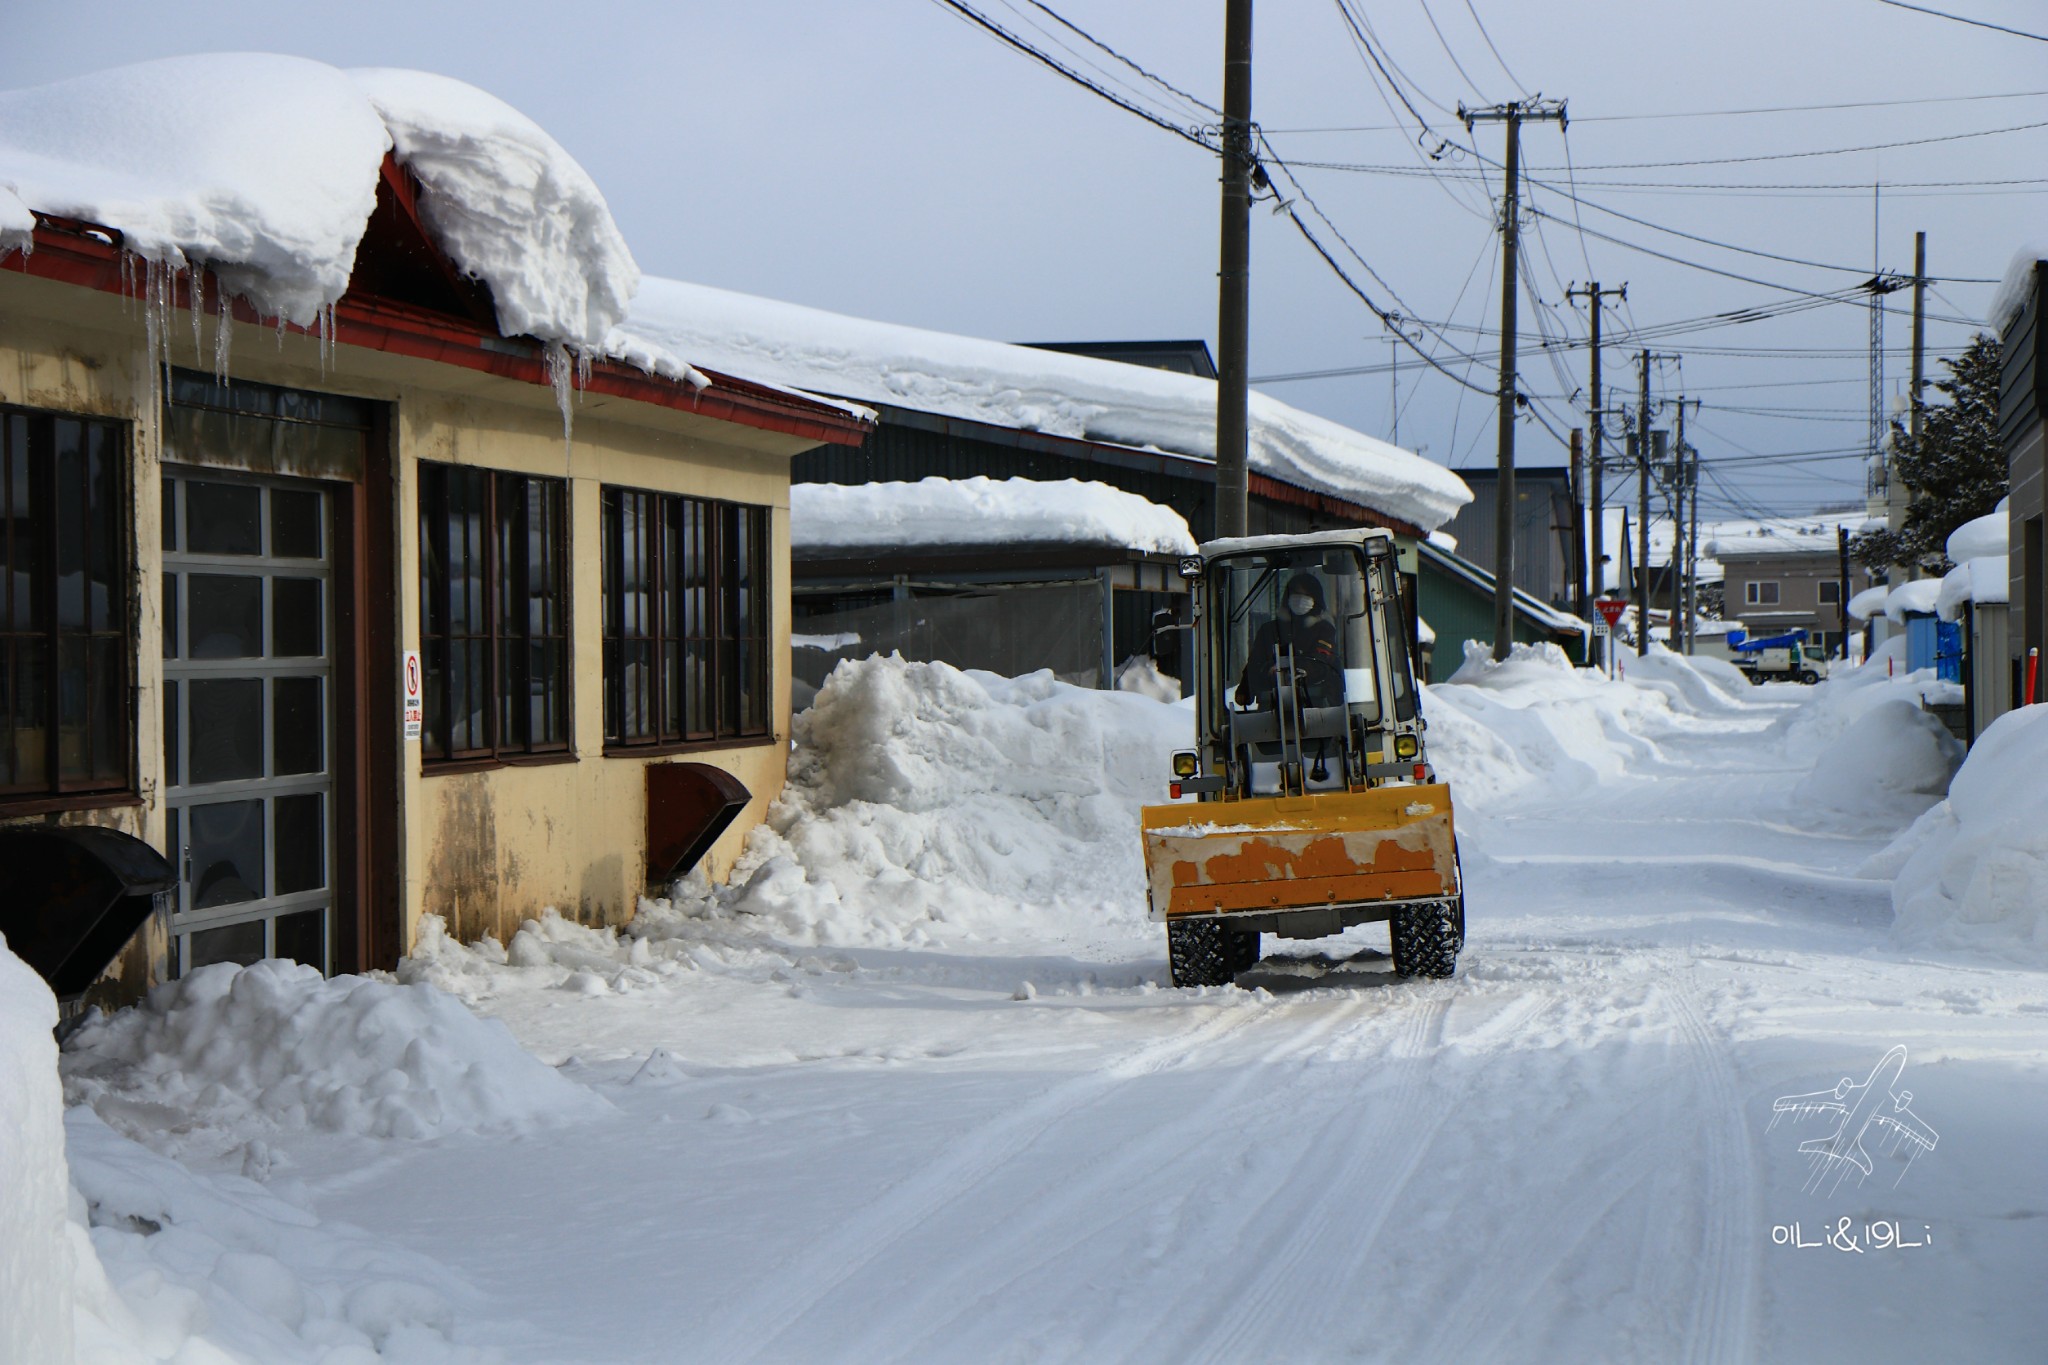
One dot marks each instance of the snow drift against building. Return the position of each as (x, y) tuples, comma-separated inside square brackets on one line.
[(1027, 389), (981, 511), (35, 1261), (264, 169)]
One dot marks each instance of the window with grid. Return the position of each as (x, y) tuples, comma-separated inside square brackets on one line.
[(1830, 592), (685, 619), (1761, 594), (66, 714), (494, 616)]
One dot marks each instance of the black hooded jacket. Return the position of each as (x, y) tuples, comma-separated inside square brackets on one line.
[(1313, 638)]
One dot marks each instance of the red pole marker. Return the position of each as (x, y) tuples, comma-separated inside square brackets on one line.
[(2033, 672)]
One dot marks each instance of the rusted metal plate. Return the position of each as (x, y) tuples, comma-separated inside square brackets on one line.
[(1330, 848)]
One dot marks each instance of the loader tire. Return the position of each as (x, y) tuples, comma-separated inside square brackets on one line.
[(1427, 938), (1201, 952)]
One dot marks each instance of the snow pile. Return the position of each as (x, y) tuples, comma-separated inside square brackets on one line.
[(1496, 726), (35, 1259), (190, 1267), (1027, 389), (1889, 764), (980, 511), (928, 805), (1811, 732), (233, 1050), (264, 168), (1972, 873)]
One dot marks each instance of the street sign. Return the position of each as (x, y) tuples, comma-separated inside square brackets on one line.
[(1611, 608), (414, 706)]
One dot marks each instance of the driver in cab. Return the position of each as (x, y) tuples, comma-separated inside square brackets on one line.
[(1306, 628)]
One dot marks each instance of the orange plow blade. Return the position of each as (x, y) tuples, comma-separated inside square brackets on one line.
[(1299, 853)]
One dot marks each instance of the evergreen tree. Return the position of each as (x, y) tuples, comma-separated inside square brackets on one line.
[(1956, 470)]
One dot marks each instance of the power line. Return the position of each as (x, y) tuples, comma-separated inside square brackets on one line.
[(1720, 113), (1088, 37), (1960, 19), (1481, 26), (1794, 156)]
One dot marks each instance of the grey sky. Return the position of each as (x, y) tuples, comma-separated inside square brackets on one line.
[(881, 157)]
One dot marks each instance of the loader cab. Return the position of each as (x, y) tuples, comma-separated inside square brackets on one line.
[(1305, 681)]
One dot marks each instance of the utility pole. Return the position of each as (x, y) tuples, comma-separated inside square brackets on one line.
[(1597, 498), (1685, 548), (1692, 573), (1512, 114), (1644, 455), (1234, 293), (1575, 567), (1842, 549)]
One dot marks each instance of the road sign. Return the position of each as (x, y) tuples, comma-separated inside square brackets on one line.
[(1611, 608), (414, 707)]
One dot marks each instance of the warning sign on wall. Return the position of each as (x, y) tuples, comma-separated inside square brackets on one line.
[(413, 707)]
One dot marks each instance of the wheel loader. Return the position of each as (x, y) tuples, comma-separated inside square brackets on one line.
[(1316, 807)]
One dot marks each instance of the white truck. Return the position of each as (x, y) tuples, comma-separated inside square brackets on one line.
[(1779, 658)]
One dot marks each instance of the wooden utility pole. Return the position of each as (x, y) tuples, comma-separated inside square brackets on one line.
[(1692, 572), (1512, 114), (1919, 334), (1234, 271), (1596, 500)]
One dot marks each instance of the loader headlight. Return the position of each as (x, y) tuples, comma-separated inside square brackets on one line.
[(1186, 763), (1191, 566), (1406, 747)]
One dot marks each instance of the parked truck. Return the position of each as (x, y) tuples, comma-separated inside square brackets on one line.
[(1778, 658), (1316, 806)]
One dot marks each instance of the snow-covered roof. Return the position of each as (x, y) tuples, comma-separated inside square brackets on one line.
[(1027, 389), (2012, 290), (1985, 580), (1870, 602), (1982, 537), (264, 168), (1779, 535), (981, 511), (1915, 598)]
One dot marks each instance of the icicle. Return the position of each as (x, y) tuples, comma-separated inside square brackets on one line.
[(195, 304), (562, 375), (223, 331)]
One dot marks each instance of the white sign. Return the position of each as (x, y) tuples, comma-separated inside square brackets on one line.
[(414, 707), (1600, 628)]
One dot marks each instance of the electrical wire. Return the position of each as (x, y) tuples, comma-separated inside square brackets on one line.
[(1795, 156), (1480, 24), (1960, 19)]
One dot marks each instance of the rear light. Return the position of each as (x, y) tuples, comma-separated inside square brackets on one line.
[(1422, 772), (1174, 791), (1406, 747)]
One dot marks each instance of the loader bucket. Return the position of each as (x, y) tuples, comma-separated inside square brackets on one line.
[(1326, 849)]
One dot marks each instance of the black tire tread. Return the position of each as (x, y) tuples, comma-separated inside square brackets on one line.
[(1426, 939), (1203, 952)]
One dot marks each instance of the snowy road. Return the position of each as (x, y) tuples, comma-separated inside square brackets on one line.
[(1566, 1153)]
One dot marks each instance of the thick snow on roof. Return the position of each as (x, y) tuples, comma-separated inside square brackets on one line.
[(1027, 389), (1985, 579), (265, 169), (1869, 602), (1918, 596), (1776, 535), (1983, 536), (979, 511), (2012, 290)]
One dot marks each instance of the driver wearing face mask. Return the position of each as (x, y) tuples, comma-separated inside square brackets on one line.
[(1305, 626)]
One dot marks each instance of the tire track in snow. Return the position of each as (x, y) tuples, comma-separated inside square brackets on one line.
[(1404, 1118), (1723, 1305), (748, 1327), (1055, 1226)]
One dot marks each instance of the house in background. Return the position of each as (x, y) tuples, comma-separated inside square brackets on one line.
[(1005, 575), (1785, 574), (347, 618), (1548, 564)]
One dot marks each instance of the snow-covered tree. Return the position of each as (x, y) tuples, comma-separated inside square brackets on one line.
[(1956, 469)]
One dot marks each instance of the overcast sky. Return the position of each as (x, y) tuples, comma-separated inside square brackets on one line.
[(884, 158)]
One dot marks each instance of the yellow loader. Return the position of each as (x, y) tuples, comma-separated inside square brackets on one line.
[(1316, 807)]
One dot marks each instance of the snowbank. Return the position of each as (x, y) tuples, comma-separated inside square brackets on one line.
[(233, 1051), (35, 1258), (1973, 872), (981, 511), (928, 805), (1888, 765), (264, 168), (1027, 389)]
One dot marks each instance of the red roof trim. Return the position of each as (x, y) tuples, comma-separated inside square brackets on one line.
[(1268, 487), (72, 252)]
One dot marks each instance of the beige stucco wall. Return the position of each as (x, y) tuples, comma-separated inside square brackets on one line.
[(486, 849)]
